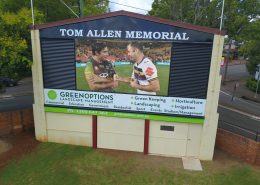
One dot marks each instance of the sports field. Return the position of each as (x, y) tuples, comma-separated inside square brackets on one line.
[(126, 71)]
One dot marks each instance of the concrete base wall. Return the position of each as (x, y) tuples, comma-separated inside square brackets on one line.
[(69, 129), (184, 141), (125, 134), (168, 143), (120, 133)]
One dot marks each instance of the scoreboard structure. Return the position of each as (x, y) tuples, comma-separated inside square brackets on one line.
[(179, 118)]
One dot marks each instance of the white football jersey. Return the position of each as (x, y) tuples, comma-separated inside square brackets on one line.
[(144, 72)]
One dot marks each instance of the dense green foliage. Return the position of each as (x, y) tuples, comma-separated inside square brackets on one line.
[(54, 10), (251, 83), (15, 44), (237, 14), (15, 21), (56, 164), (251, 46), (186, 10)]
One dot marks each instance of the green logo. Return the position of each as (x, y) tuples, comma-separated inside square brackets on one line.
[(52, 95)]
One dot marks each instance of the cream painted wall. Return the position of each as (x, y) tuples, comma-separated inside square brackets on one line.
[(69, 129), (38, 106), (169, 143), (120, 133), (209, 130), (194, 140)]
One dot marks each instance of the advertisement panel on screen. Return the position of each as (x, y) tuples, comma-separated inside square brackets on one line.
[(125, 102)]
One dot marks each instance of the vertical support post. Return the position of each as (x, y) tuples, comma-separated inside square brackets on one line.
[(32, 13), (146, 136), (234, 91), (81, 8), (40, 122), (208, 134), (227, 61), (94, 132), (222, 14), (257, 83)]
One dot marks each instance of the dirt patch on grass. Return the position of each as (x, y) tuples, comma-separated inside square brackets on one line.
[(19, 145)]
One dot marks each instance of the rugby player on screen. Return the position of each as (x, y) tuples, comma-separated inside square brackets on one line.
[(99, 72), (144, 77)]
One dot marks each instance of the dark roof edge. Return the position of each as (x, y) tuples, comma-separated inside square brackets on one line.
[(131, 14)]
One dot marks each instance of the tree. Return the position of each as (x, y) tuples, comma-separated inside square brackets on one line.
[(15, 51), (94, 7), (55, 10), (238, 16), (15, 19), (191, 11), (237, 13), (251, 47), (237, 21), (13, 5)]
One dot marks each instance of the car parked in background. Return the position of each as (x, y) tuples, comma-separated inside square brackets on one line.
[(7, 82)]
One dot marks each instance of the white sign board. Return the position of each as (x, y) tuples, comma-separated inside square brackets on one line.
[(125, 102)]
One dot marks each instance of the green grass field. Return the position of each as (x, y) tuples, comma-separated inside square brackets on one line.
[(59, 164), (126, 71)]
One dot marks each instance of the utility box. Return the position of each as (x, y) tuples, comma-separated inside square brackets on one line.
[(127, 81)]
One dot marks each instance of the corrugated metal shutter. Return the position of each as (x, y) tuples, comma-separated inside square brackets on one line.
[(190, 70), (58, 60)]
